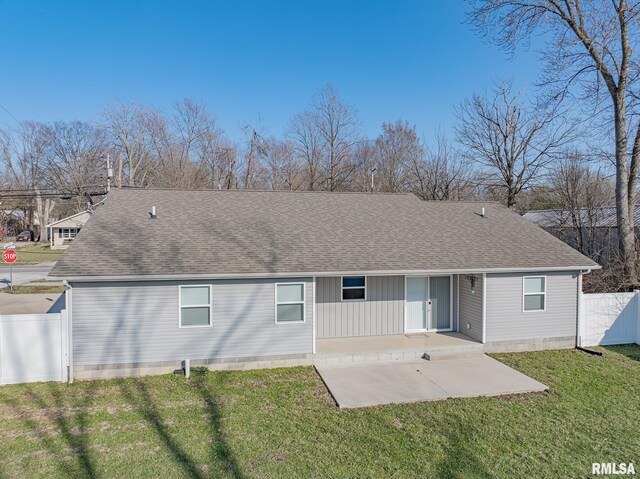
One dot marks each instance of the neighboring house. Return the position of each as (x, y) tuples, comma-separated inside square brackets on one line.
[(250, 276), (14, 221), (592, 231), (64, 231)]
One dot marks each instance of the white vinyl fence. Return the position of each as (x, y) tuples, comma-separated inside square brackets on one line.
[(33, 347), (609, 318)]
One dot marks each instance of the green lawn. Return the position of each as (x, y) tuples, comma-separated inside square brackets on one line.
[(36, 254), (282, 423), (37, 289)]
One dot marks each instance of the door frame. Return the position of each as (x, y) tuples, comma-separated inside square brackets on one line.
[(428, 329)]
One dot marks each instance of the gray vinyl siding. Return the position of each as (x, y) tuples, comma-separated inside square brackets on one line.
[(470, 308), (506, 319), (454, 311), (382, 313), (138, 322)]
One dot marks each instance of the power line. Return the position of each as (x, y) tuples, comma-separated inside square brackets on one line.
[(9, 113), (73, 189), (26, 195)]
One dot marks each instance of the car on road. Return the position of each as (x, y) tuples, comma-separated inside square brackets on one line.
[(25, 236)]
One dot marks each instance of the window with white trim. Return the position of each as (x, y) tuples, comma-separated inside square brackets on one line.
[(289, 302), (195, 306), (68, 233), (534, 293), (354, 288)]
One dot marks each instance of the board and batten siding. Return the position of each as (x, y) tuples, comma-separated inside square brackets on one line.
[(134, 322), (470, 306), (382, 312), (506, 319)]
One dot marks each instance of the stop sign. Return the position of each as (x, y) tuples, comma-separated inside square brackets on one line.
[(9, 256)]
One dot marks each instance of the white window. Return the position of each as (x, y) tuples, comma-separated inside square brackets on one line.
[(68, 233), (354, 288), (289, 302), (534, 297), (195, 306)]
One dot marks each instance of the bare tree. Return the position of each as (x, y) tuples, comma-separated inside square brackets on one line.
[(396, 147), (440, 174), (324, 138), (366, 158), (178, 142), (308, 145), (249, 156), (75, 156), (279, 169), (589, 51), (129, 128), (24, 158), (338, 126), (512, 142), (581, 192), (218, 157)]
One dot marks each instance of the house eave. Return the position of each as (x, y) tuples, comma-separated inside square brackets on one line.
[(298, 274), (67, 218)]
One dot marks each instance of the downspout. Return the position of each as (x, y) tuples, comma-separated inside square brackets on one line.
[(68, 306)]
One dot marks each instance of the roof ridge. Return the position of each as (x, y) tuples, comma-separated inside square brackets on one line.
[(212, 190)]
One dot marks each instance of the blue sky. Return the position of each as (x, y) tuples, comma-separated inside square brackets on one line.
[(407, 59)]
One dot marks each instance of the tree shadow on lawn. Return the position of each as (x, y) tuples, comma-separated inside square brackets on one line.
[(137, 393), (70, 425), (632, 351), (221, 451)]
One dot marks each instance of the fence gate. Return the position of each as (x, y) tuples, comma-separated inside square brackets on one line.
[(33, 347), (609, 318)]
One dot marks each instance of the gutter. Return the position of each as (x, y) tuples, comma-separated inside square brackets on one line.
[(170, 277)]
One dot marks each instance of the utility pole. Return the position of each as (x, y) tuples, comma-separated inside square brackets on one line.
[(120, 171), (109, 173)]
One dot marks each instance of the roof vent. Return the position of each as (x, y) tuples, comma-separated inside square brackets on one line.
[(482, 212), (152, 213)]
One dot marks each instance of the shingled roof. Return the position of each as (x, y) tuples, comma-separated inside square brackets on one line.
[(229, 233)]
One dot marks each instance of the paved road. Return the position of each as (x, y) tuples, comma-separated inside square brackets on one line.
[(24, 273)]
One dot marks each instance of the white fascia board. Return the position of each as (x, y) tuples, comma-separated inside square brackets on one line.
[(310, 274), (67, 218)]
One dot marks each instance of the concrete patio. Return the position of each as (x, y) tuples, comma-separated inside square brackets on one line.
[(378, 383), (394, 342), (400, 347)]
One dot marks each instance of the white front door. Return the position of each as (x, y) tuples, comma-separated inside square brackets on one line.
[(440, 299), (417, 304), (428, 303)]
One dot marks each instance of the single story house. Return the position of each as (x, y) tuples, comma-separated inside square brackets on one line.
[(63, 232), (268, 278)]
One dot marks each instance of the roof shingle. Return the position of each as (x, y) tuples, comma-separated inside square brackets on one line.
[(259, 232)]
